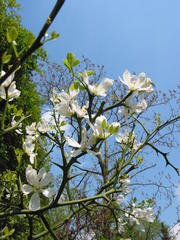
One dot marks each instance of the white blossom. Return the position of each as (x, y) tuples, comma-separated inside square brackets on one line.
[(138, 83), (18, 127), (12, 92), (100, 89), (121, 224), (43, 126), (8, 81), (132, 107), (29, 142), (29, 148), (127, 138), (36, 185), (31, 130), (101, 128), (82, 147), (137, 215), (80, 112)]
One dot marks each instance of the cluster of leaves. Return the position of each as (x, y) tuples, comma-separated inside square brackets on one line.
[(15, 40)]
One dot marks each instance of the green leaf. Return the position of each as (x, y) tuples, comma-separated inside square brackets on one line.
[(81, 87), (76, 62), (66, 63), (7, 233), (111, 130), (54, 35), (6, 57), (104, 124), (63, 123), (90, 72), (76, 84), (19, 112), (70, 58), (11, 34), (6, 230), (150, 201), (139, 159), (29, 39), (19, 154)]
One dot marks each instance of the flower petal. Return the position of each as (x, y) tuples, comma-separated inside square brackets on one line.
[(49, 192), (85, 78), (71, 142), (46, 179), (2, 93), (75, 153), (26, 189), (34, 203), (93, 152), (41, 172), (8, 80), (31, 176)]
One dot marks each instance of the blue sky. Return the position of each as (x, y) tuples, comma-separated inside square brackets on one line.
[(137, 35), (134, 34)]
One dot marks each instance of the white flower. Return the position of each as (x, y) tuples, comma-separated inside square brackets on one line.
[(31, 137), (37, 184), (13, 92), (63, 96), (140, 106), (31, 130), (11, 85), (80, 112), (127, 138), (139, 214), (137, 83), (18, 127), (101, 128), (2, 93), (82, 147), (100, 89), (32, 157), (73, 92), (29, 147), (63, 108), (131, 107), (125, 181), (121, 225), (55, 121), (43, 126), (8, 81)]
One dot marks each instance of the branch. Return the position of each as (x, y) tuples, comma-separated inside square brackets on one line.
[(37, 43), (48, 227), (165, 157)]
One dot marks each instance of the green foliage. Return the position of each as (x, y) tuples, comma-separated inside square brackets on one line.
[(11, 34), (6, 57), (14, 41), (70, 62)]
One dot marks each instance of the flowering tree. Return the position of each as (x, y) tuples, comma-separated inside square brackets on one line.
[(80, 131)]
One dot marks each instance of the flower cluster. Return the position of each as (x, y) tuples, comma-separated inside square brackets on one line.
[(138, 214), (33, 132), (8, 88), (124, 190), (94, 130), (127, 139)]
